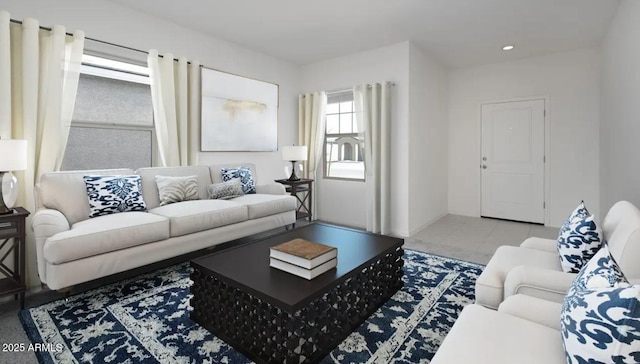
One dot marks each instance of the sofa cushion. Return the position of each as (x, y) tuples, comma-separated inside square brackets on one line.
[(490, 284), (225, 190), (245, 175), (67, 192), (533, 309), (105, 234), (113, 194), (150, 188), (484, 336), (192, 216), (264, 205), (177, 189), (578, 242), (600, 319)]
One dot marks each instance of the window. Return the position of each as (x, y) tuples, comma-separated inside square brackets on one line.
[(112, 124), (343, 147)]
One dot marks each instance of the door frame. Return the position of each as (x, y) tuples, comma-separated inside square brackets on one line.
[(478, 156)]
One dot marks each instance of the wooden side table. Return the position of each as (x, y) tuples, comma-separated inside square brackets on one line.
[(302, 190), (13, 239)]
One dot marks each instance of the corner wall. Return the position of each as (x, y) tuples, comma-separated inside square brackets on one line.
[(620, 109), (570, 81), (428, 141)]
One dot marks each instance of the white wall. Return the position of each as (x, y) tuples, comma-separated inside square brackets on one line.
[(428, 151), (571, 82), (620, 109), (344, 202), (110, 22)]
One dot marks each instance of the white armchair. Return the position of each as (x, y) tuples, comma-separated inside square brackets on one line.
[(534, 268), (524, 330)]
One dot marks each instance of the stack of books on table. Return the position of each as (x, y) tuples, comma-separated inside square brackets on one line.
[(306, 259)]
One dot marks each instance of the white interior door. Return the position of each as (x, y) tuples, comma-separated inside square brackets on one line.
[(512, 161)]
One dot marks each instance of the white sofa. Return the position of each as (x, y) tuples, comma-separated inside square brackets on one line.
[(72, 248), (534, 268)]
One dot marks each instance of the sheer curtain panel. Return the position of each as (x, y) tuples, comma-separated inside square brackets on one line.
[(175, 93), (39, 72), (372, 110), (311, 121), (38, 85)]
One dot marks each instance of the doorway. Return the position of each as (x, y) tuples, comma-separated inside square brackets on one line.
[(512, 160)]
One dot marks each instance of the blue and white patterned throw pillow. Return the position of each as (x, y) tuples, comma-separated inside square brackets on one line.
[(113, 194), (600, 272), (244, 173), (578, 242), (600, 319), (578, 213)]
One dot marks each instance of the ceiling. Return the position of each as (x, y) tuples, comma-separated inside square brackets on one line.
[(457, 33)]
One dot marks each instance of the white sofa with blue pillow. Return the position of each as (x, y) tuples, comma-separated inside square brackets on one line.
[(73, 247)]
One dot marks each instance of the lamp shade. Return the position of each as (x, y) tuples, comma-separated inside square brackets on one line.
[(13, 155), (294, 153)]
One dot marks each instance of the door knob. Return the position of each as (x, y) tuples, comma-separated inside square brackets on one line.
[(484, 166), (484, 158)]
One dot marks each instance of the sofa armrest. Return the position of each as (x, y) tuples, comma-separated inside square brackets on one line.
[(48, 222), (271, 189), (547, 284), (547, 245), (534, 309), (45, 224)]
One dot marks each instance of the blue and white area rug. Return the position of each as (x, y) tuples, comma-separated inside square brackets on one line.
[(146, 320)]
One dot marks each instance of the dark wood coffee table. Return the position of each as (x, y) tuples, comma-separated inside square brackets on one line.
[(275, 317)]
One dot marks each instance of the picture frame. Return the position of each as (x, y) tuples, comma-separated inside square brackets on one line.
[(238, 114)]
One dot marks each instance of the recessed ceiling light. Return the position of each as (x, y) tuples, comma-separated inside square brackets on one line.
[(508, 47)]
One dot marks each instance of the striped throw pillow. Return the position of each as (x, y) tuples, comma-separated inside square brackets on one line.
[(176, 189)]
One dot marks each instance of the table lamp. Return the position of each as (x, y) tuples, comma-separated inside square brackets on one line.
[(13, 157), (294, 153)]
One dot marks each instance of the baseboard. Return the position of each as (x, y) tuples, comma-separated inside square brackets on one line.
[(423, 226), (342, 224)]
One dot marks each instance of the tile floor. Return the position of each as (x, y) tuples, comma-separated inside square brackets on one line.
[(467, 238), (472, 238)]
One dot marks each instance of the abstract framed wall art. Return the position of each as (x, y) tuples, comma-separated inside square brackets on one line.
[(238, 113)]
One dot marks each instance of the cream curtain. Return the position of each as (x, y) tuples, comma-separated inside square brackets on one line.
[(311, 124), (372, 110), (175, 93), (39, 72)]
